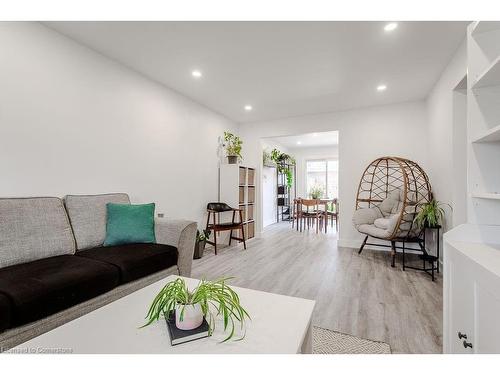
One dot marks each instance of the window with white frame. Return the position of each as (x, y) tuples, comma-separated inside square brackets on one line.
[(323, 174)]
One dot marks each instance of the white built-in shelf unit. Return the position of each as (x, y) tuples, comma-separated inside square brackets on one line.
[(483, 122)]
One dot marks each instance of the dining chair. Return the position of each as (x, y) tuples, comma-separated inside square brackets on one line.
[(323, 209), (295, 213), (308, 211), (333, 213)]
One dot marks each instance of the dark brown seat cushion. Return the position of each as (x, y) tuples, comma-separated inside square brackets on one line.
[(46, 286), (134, 260), (5, 313)]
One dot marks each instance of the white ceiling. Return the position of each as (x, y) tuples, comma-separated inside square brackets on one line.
[(322, 139), (281, 68)]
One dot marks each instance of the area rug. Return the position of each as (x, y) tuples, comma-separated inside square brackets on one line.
[(326, 341)]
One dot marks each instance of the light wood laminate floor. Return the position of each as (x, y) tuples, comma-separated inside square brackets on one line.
[(355, 294)]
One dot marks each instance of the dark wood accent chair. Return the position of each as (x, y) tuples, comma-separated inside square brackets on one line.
[(214, 209)]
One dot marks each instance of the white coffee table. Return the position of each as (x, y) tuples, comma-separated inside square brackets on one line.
[(280, 324)]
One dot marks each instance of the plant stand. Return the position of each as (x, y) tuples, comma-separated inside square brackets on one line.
[(430, 263), (285, 195)]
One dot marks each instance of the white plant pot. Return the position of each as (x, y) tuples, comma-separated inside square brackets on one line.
[(192, 317)]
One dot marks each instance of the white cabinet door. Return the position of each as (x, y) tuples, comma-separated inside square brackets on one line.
[(487, 314), (460, 303)]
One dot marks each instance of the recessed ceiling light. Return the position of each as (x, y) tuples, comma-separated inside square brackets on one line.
[(381, 87), (196, 74), (391, 26), (299, 142), (248, 107)]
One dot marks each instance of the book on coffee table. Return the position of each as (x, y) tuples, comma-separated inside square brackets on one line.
[(179, 336)]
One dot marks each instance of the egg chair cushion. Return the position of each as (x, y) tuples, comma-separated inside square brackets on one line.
[(387, 223), (390, 204), (382, 223), (373, 231), (366, 216)]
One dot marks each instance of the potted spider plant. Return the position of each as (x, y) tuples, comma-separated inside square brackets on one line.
[(430, 214), (201, 241), (232, 143), (191, 306)]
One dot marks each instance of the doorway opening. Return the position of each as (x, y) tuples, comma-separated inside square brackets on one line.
[(314, 173)]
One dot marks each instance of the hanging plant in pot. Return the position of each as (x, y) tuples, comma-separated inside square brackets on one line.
[(232, 144), (284, 162), (191, 306)]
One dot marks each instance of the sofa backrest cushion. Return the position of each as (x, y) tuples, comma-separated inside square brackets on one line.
[(87, 214), (32, 229)]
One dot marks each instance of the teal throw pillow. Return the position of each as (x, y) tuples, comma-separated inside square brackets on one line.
[(130, 223)]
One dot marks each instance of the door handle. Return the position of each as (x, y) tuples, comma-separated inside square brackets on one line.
[(467, 345), (462, 336)]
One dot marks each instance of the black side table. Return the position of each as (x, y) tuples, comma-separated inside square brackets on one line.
[(433, 260)]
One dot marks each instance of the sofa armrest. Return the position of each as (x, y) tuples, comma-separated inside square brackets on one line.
[(366, 216), (182, 235)]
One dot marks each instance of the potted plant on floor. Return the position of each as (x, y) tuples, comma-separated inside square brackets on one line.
[(232, 143), (201, 241), (191, 306), (431, 214)]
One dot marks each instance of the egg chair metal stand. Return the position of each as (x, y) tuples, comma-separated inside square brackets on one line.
[(389, 195)]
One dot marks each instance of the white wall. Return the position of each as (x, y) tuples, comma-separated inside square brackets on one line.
[(446, 109), (364, 134), (303, 154), (73, 121)]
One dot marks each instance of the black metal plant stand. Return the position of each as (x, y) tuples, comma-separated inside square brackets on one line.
[(284, 193), (430, 263)]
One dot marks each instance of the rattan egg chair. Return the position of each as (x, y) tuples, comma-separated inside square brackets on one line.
[(389, 195)]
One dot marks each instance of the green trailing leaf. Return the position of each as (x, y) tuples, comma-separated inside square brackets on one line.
[(216, 294)]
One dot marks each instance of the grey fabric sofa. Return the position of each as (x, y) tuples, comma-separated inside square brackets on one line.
[(54, 267)]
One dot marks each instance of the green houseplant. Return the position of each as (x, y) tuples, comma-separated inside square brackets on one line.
[(209, 299), (201, 241), (316, 192), (430, 214), (284, 162), (232, 143)]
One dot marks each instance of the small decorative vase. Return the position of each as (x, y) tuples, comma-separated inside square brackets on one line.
[(232, 159), (192, 317)]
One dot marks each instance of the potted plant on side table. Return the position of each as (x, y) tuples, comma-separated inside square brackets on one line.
[(208, 300), (201, 241), (430, 214)]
